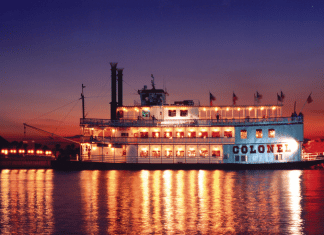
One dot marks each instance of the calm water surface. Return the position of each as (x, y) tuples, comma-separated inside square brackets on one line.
[(166, 201)]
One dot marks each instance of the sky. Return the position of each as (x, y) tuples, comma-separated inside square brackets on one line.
[(48, 49)]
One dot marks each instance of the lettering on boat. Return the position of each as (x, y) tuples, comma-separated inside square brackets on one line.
[(262, 148)]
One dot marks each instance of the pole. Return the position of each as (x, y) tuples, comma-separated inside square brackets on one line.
[(82, 97)]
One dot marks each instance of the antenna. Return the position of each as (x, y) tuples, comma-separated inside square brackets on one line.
[(152, 81)]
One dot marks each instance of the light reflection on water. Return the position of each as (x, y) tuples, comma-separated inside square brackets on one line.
[(161, 201)]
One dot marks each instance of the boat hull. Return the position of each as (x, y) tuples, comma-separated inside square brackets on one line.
[(78, 165)]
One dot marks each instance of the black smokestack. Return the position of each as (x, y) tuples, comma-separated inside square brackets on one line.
[(120, 87), (113, 104)]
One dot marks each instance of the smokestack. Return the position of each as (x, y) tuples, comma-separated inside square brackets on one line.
[(120, 87), (113, 104)]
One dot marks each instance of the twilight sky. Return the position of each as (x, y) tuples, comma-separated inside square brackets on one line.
[(49, 48)]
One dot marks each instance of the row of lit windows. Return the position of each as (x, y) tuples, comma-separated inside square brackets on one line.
[(243, 158), (180, 153), (23, 151), (173, 113), (181, 134), (258, 133)]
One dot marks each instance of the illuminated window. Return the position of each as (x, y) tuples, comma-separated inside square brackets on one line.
[(237, 158), (135, 134), (144, 153), (168, 153), (216, 153), (203, 153), (216, 134), (124, 134), (172, 113), (167, 134), (228, 134), (258, 133), (183, 113), (180, 134), (203, 134), (243, 158), (271, 133), (144, 134), (191, 153), (243, 134), (156, 134), (179, 153), (156, 153), (192, 134)]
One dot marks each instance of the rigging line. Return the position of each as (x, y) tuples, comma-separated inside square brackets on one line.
[(54, 110), (62, 121), (130, 85), (97, 96)]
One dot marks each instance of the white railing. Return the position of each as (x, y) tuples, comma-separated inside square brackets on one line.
[(93, 122)]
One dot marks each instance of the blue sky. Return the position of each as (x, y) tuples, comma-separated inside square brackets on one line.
[(49, 48)]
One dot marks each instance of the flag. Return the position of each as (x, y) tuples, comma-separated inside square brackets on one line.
[(234, 99), (282, 96), (309, 99), (211, 98), (279, 98)]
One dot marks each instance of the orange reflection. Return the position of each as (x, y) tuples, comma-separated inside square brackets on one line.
[(26, 198), (89, 197)]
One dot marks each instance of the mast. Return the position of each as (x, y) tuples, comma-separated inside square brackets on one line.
[(82, 98)]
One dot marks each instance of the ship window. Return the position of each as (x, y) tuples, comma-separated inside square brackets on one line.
[(278, 157), (144, 153), (192, 134), (243, 134), (191, 153), (156, 153), (144, 134), (179, 153), (228, 134), (203, 134), (172, 113), (120, 114), (237, 158), (124, 134), (258, 133), (203, 153), (135, 134), (167, 134), (216, 134), (180, 134), (243, 158), (271, 133), (168, 153), (183, 113), (216, 153), (156, 134), (145, 113)]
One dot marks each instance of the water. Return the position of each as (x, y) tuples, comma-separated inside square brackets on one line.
[(161, 201)]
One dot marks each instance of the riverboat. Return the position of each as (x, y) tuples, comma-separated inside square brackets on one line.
[(187, 133)]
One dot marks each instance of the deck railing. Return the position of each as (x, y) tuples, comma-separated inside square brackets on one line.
[(94, 122)]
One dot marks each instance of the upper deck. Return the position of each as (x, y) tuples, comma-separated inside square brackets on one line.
[(93, 122)]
